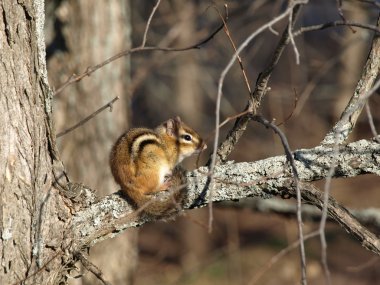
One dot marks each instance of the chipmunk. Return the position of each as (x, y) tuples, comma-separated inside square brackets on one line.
[(143, 162)]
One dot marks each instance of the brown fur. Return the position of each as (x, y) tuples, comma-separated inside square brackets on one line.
[(141, 156)]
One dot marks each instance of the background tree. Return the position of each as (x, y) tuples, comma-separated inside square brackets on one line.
[(88, 33)]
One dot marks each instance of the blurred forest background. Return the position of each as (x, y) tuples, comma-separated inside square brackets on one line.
[(154, 86)]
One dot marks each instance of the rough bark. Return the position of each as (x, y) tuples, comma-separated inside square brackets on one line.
[(351, 61), (265, 179), (33, 217), (351, 113)]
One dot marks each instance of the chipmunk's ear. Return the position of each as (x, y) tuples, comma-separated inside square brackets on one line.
[(170, 126), (178, 120)]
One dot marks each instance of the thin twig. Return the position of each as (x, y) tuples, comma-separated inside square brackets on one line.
[(287, 118), (273, 31), (92, 268), (369, 263), (219, 97), (319, 27), (290, 159), (227, 146), (293, 43), (230, 118), (340, 12), (91, 69), (371, 123), (313, 82), (85, 120), (369, 217), (236, 132), (278, 256), (372, 91), (322, 224), (311, 195), (322, 71), (148, 23), (59, 253), (43, 267), (227, 31)]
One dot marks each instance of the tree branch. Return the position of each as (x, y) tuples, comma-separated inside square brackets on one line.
[(340, 214), (328, 25), (227, 146), (369, 217), (347, 121), (264, 179), (85, 120), (91, 69)]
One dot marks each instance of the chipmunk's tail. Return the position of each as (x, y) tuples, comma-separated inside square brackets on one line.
[(163, 204)]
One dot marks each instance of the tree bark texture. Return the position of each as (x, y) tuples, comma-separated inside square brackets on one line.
[(265, 179), (33, 217)]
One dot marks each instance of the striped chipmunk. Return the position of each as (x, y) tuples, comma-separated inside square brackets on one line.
[(145, 161)]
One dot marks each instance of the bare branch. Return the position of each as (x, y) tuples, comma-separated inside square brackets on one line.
[(92, 268), (227, 146), (334, 24), (91, 69), (85, 120), (290, 159), (148, 23), (278, 256), (371, 123), (340, 214), (365, 88), (291, 37), (369, 263), (369, 217), (237, 131), (325, 205), (228, 33), (213, 159), (112, 214)]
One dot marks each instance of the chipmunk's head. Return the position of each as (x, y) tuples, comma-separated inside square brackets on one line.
[(185, 139)]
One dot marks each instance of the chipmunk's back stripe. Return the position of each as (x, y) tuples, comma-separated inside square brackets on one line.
[(147, 142), (143, 140)]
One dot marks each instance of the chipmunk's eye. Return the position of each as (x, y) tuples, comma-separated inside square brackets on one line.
[(186, 137)]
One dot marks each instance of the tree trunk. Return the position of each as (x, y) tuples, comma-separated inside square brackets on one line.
[(32, 213), (93, 33)]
